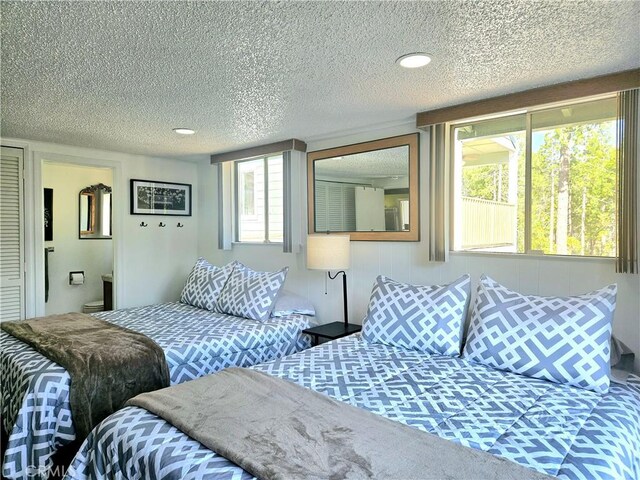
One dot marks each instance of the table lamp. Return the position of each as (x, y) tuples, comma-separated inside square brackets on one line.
[(331, 252)]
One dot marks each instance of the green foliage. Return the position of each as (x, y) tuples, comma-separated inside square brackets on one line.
[(487, 182), (590, 169), (582, 156)]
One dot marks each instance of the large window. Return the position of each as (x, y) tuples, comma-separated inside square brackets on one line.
[(537, 182), (259, 200)]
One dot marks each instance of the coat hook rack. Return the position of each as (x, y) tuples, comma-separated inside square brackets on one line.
[(142, 224), (162, 224), (180, 225)]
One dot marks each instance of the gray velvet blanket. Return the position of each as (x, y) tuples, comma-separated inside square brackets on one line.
[(275, 429), (107, 364)]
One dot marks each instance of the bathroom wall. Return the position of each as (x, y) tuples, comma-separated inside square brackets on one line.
[(94, 257)]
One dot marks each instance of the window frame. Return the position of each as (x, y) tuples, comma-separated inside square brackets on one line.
[(236, 203), (528, 168)]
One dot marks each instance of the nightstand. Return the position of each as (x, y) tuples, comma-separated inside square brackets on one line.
[(332, 331)]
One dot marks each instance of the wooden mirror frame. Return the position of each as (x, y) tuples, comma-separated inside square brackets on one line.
[(411, 140)]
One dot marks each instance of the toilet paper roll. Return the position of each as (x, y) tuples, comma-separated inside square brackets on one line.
[(77, 278)]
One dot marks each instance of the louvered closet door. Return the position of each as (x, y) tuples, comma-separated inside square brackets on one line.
[(11, 235)]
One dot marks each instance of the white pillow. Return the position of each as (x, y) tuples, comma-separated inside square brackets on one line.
[(289, 303), (205, 283)]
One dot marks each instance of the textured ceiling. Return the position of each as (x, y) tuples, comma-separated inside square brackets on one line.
[(120, 75)]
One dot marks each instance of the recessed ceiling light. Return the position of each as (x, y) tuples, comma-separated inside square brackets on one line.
[(414, 60), (184, 131)]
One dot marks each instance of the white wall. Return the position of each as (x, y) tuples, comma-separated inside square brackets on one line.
[(409, 261), (94, 257), (150, 264), (158, 260)]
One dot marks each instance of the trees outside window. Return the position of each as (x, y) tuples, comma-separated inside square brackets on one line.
[(557, 197)]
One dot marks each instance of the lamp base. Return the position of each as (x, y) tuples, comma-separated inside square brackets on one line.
[(344, 294)]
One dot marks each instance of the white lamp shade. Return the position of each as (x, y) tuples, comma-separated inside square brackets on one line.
[(328, 252)]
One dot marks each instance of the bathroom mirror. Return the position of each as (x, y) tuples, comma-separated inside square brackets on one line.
[(369, 190), (95, 212)]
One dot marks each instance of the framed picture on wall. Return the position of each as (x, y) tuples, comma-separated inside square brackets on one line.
[(149, 197), (48, 214)]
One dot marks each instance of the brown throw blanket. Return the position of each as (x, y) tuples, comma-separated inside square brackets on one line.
[(275, 429), (108, 364)]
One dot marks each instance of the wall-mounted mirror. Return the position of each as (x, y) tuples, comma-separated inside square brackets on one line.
[(369, 190), (95, 212)]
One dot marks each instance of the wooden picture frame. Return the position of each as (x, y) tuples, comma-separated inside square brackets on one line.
[(152, 197), (412, 141)]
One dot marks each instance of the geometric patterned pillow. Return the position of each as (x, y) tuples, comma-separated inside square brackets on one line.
[(205, 284), (559, 339), (425, 318), (251, 294)]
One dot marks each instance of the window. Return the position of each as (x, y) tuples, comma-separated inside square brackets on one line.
[(538, 182), (259, 203), (248, 189)]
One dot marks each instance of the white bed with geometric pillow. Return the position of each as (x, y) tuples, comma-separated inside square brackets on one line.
[(35, 408), (549, 425)]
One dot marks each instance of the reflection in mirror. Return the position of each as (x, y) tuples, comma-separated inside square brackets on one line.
[(366, 188), (95, 212), (363, 192), (87, 211)]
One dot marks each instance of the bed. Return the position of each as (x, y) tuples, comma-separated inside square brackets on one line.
[(556, 429), (530, 386), (35, 392)]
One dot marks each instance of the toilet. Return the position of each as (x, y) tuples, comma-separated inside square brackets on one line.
[(93, 307)]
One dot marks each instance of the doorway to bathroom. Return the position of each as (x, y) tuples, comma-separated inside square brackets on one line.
[(78, 237)]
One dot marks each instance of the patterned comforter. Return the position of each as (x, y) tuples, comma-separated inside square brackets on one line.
[(559, 430), (35, 391)]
